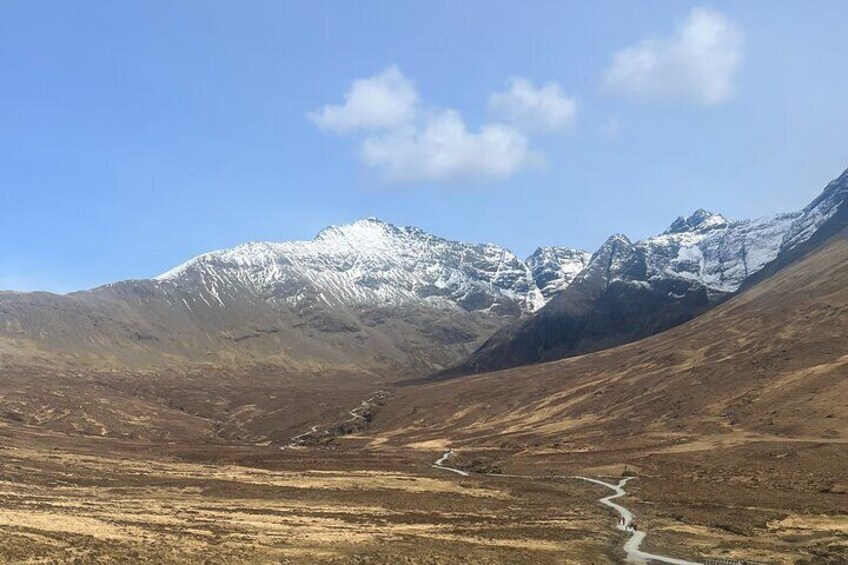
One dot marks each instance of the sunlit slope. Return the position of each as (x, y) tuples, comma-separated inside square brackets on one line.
[(772, 361)]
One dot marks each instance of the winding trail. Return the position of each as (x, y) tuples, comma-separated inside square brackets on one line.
[(631, 546), (440, 464)]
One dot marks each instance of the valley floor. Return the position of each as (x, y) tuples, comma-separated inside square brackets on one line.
[(356, 499), (105, 501)]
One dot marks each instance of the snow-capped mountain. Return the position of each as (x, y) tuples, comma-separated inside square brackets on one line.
[(367, 295), (711, 250), (375, 263), (819, 211), (371, 296), (631, 290), (721, 254), (705, 249)]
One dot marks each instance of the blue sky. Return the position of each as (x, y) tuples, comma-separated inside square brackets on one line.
[(135, 135)]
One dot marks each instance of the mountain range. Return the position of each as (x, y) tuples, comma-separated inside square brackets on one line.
[(374, 297)]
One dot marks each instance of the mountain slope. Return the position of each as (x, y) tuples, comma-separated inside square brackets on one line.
[(770, 360), (629, 291), (367, 262), (367, 296), (734, 423)]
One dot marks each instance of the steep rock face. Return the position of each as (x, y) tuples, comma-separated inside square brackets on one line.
[(610, 302), (629, 291), (615, 259), (554, 268), (713, 251)]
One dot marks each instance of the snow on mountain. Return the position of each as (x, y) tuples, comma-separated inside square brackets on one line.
[(712, 250), (554, 268), (721, 254), (629, 290), (613, 260), (370, 262), (373, 263)]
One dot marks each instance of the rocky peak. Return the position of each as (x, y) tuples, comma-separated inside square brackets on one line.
[(614, 244), (554, 268), (367, 230), (610, 261), (367, 263), (700, 220)]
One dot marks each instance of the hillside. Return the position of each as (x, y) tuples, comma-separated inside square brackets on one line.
[(770, 360), (735, 421)]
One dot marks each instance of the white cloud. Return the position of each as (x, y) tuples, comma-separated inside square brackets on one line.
[(383, 101), (406, 143), (444, 149), (698, 63), (531, 109)]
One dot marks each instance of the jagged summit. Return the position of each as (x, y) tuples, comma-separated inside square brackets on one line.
[(615, 240), (368, 230), (369, 262), (611, 260), (374, 262), (554, 268), (700, 220), (714, 251)]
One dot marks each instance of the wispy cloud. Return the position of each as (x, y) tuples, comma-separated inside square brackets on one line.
[(531, 109), (407, 143), (698, 63)]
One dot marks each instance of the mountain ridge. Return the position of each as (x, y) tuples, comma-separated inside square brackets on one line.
[(366, 295), (372, 296), (632, 290)]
